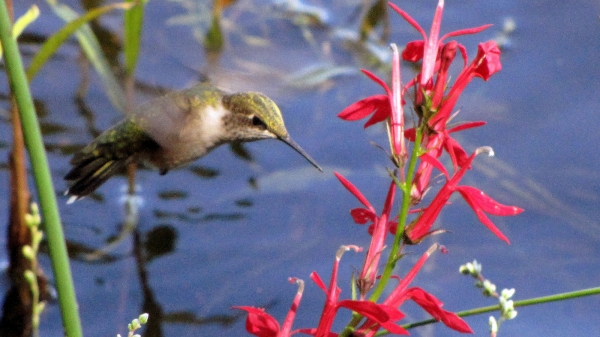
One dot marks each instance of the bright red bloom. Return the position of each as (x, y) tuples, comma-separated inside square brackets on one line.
[(479, 202), (378, 105), (429, 48), (434, 307), (485, 64), (427, 301), (383, 107), (379, 229), (435, 107), (436, 143), (261, 324), (380, 313)]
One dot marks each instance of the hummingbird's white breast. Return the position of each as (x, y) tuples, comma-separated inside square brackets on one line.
[(185, 135)]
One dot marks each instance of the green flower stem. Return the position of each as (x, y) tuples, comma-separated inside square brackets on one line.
[(523, 303), (43, 179), (405, 187), (392, 259)]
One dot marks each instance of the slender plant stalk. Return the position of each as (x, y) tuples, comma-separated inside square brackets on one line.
[(522, 303), (43, 179), (403, 214)]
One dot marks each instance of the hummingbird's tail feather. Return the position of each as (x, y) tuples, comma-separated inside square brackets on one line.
[(88, 175), (107, 155)]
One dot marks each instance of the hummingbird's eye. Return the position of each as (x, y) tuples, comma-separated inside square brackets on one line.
[(257, 122)]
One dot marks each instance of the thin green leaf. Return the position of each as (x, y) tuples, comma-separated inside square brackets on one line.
[(91, 47), (376, 15), (214, 40), (132, 32), (57, 39), (23, 22)]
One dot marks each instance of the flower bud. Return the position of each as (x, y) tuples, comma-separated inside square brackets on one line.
[(143, 318)]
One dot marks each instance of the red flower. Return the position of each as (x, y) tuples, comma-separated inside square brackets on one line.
[(485, 64), (383, 107), (378, 105), (384, 315), (435, 107), (428, 48), (379, 229), (261, 324), (427, 301), (479, 202), (435, 144)]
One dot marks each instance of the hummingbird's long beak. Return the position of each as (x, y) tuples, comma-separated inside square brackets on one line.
[(289, 141)]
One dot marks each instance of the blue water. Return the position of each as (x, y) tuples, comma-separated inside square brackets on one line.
[(235, 238)]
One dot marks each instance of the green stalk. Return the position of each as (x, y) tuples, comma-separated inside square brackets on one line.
[(392, 259), (403, 214), (522, 303), (43, 179)]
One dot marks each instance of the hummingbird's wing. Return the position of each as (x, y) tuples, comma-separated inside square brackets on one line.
[(108, 154)]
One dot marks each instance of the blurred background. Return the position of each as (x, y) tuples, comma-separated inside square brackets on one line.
[(231, 228)]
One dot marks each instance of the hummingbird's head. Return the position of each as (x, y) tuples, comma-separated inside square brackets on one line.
[(255, 116)]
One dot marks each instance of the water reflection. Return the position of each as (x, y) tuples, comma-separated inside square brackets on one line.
[(258, 216)]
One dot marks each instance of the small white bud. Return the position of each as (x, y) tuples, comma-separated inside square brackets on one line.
[(508, 293), (488, 288), (493, 324)]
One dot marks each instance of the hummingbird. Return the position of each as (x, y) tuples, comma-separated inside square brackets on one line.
[(174, 130)]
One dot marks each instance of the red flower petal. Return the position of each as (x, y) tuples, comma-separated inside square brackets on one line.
[(409, 19), (429, 159), (319, 282), (410, 134), (457, 154), (393, 227), (466, 31), (378, 81), (413, 51), (355, 191), (362, 215), (481, 200), (382, 314), (481, 215), (382, 113), (434, 307), (465, 126), (364, 107), (259, 323), (489, 53)]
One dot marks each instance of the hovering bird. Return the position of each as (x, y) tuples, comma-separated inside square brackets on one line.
[(174, 130)]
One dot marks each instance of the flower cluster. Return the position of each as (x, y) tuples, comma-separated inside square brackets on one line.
[(415, 153)]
